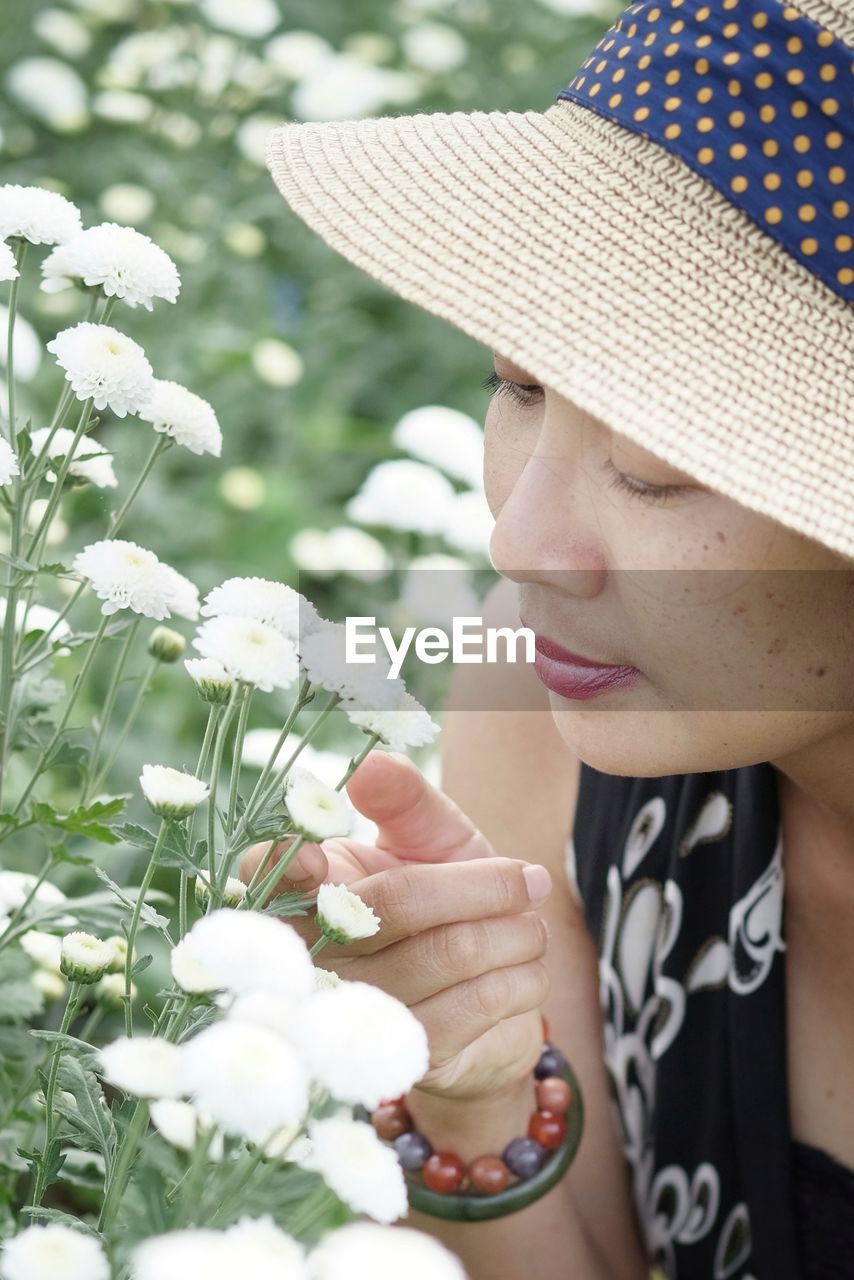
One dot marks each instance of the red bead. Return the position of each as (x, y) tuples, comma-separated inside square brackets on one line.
[(444, 1171), (390, 1120), (547, 1128), (553, 1094), (489, 1174), (547, 1031)]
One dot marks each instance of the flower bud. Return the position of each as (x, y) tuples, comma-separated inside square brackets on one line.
[(170, 792), (166, 645), (211, 679), (235, 892), (85, 958)]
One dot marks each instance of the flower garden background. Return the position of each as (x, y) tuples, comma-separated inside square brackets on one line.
[(337, 436)]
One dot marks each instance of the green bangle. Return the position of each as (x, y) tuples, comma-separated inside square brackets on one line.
[(476, 1207)]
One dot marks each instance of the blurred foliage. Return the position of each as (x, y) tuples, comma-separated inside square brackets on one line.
[(251, 270)]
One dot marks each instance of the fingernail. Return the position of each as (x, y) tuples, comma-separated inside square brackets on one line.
[(538, 881)]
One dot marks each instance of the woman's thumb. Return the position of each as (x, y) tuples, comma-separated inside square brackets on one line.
[(416, 820)]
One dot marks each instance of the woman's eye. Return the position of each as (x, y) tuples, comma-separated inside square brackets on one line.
[(640, 489), (523, 393)]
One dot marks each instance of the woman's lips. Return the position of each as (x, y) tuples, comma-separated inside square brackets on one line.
[(572, 676)]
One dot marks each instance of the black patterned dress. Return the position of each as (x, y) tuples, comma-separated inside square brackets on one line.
[(682, 883)]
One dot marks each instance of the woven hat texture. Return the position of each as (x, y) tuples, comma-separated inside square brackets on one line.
[(672, 250)]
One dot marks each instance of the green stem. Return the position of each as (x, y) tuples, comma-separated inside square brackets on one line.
[(40, 1181), (20, 254), (192, 1183), (60, 728), (216, 765), (357, 760), (257, 892), (234, 1185), (319, 945), (301, 699), (44, 639), (88, 1028), (310, 732), (161, 444), (236, 757), (109, 703), (142, 690), (115, 1187), (40, 534), (134, 924)]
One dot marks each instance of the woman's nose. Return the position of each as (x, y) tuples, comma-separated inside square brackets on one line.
[(545, 532)]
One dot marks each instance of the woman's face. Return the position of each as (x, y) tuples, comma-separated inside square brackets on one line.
[(739, 628)]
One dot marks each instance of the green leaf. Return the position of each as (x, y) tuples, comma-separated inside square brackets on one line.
[(85, 1052), (174, 850), (19, 563), (89, 1116), (20, 1000), (148, 914), (67, 1219), (85, 820)]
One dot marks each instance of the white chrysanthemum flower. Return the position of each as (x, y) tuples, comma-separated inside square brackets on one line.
[(316, 810), (261, 1009), (433, 46), (53, 1251), (51, 985), (343, 916), (469, 523), (171, 792), (382, 1252), (110, 991), (183, 595), (210, 678), (83, 957), (402, 494), (90, 461), (16, 886), (233, 894), (274, 603), (295, 53), (44, 948), (444, 438), (127, 576), (246, 1077), (50, 90), (355, 1163), (325, 979), (249, 18), (107, 365), (249, 650), (361, 1044), (344, 549), (121, 261), (38, 617), (37, 215), (242, 951), (145, 1066), (9, 467), (8, 266), (266, 1252), (198, 1251), (178, 1122), (407, 724), (323, 658), (186, 417)]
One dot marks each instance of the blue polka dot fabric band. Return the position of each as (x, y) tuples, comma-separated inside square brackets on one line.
[(754, 96)]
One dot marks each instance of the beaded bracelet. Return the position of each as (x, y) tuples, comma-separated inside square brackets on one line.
[(441, 1184)]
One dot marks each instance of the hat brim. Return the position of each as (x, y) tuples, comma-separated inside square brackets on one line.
[(615, 274)]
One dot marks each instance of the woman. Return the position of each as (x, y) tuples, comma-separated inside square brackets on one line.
[(661, 262)]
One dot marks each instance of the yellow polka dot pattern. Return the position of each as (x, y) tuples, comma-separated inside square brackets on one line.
[(753, 95)]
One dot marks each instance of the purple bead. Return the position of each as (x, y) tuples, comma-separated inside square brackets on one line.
[(524, 1157), (413, 1150), (551, 1063)]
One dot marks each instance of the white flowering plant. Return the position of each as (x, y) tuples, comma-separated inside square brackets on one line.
[(209, 1124)]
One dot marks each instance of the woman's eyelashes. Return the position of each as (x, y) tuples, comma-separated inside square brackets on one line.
[(522, 393), (528, 394)]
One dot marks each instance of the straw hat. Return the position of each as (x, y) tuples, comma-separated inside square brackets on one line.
[(669, 244)]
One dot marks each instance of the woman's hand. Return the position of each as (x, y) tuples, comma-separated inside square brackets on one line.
[(460, 941)]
